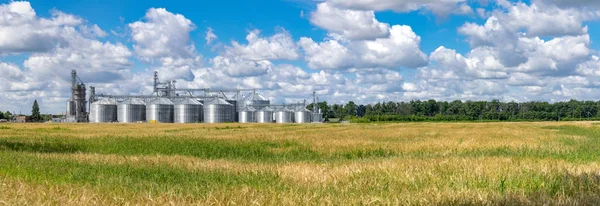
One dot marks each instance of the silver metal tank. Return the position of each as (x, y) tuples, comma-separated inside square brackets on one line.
[(265, 115), (188, 111), (218, 110), (255, 100), (247, 115), (104, 110), (302, 116), (70, 108), (160, 110), (283, 116), (317, 117), (131, 110), (235, 111)]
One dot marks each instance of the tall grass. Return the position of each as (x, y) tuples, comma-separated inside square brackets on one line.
[(406, 164)]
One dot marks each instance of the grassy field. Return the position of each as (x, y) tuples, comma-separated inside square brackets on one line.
[(406, 164)]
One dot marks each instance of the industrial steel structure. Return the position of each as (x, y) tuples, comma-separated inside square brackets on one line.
[(264, 115), (302, 115), (131, 110), (284, 115), (76, 106), (247, 115), (104, 110), (218, 110), (188, 111), (168, 104), (160, 110)]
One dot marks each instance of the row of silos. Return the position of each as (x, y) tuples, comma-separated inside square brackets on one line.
[(157, 110), (281, 115), (188, 110)]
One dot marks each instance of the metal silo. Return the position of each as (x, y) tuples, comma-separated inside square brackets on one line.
[(283, 115), (160, 110), (265, 115), (233, 101), (302, 115), (104, 110), (218, 110), (256, 100), (246, 115), (131, 110), (188, 111), (317, 117)]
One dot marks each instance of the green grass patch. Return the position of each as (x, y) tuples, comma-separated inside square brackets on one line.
[(41, 146), (584, 149), (4, 127), (230, 128), (136, 179), (240, 150)]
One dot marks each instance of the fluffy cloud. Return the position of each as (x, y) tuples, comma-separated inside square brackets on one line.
[(238, 67), (55, 45), (479, 65), (400, 49), (93, 31), (522, 52), (514, 39), (439, 7), (210, 36), (573, 3), (163, 34), (163, 39), (349, 24), (279, 46), (23, 31)]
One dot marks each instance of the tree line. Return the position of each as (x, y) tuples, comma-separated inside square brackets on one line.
[(433, 110), (35, 116)]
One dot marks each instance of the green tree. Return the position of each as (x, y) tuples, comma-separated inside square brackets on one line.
[(351, 109), (324, 109), (35, 112), (1, 115), (361, 110)]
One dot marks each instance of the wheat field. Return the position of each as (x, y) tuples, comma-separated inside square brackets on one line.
[(293, 164)]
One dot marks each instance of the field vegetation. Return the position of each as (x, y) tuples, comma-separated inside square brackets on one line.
[(408, 164)]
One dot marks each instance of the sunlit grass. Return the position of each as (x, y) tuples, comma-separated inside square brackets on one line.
[(408, 164)]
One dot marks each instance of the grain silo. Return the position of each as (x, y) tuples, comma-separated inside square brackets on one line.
[(247, 115), (317, 117), (255, 100), (218, 110), (234, 102), (302, 115), (188, 111), (283, 115), (160, 110), (264, 115), (131, 110), (104, 110)]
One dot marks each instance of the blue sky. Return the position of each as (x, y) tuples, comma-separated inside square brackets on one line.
[(383, 50)]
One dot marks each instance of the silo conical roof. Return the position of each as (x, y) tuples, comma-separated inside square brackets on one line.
[(267, 109), (255, 96), (133, 101), (249, 109), (188, 101), (105, 102), (161, 100), (217, 101)]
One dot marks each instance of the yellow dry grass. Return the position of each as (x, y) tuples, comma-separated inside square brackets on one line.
[(443, 178)]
